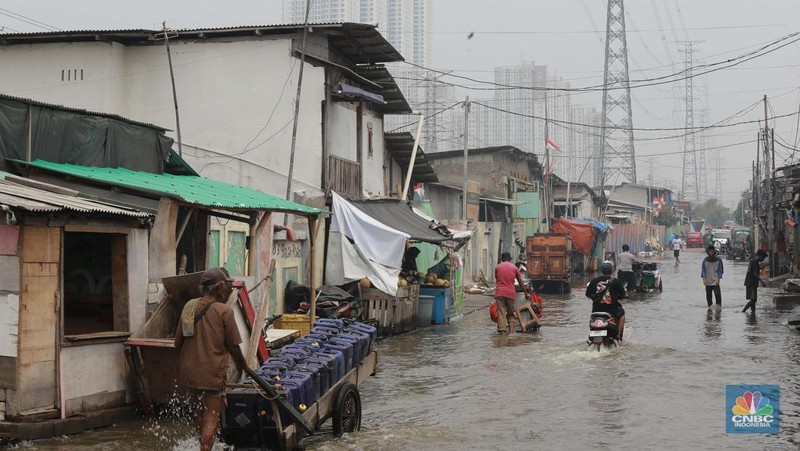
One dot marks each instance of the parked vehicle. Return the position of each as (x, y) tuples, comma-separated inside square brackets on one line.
[(694, 239), (549, 262), (603, 330), (738, 246), (721, 238), (648, 277)]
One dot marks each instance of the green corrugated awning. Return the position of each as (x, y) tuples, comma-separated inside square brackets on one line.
[(186, 188)]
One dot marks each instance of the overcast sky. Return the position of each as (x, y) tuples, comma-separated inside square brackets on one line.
[(567, 36)]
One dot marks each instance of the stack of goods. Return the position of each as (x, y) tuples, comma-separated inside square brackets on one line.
[(306, 369)]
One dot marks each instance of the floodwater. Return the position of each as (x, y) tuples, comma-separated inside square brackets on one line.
[(463, 387)]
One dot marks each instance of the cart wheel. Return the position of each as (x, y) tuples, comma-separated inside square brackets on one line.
[(347, 411), (660, 286)]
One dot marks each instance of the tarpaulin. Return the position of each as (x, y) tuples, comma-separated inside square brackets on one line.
[(84, 139), (360, 246), (582, 233)]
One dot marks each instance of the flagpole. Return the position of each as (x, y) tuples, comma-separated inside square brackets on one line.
[(548, 179)]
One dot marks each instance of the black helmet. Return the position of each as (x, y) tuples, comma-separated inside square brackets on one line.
[(761, 253)]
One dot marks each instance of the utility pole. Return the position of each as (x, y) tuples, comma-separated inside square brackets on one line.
[(297, 113), (466, 159), (773, 260), (166, 34)]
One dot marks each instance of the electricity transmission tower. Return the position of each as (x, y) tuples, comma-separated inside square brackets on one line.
[(617, 159), (690, 181)]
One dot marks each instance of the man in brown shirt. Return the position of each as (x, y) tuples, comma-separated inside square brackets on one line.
[(206, 334)]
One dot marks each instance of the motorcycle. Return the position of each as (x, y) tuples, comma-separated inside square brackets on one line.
[(603, 330)]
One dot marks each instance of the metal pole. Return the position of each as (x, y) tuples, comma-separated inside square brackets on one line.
[(770, 214), (174, 93), (297, 110), (466, 159), (413, 157)]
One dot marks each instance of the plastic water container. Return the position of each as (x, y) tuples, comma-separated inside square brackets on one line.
[(336, 358), (306, 382), (316, 336), (321, 374), (298, 393), (313, 372), (330, 363), (363, 341), (268, 373), (280, 366), (365, 328), (355, 345), (346, 349), (326, 329), (425, 311), (329, 322)]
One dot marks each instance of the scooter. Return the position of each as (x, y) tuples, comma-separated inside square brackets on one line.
[(603, 331)]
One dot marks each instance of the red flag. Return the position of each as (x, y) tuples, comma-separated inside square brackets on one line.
[(552, 144)]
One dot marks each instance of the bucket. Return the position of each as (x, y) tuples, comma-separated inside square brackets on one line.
[(425, 310)]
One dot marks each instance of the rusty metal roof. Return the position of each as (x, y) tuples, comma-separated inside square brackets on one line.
[(395, 100), (361, 43), (39, 200), (400, 145)]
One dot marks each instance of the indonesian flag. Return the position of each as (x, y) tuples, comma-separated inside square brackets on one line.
[(552, 144)]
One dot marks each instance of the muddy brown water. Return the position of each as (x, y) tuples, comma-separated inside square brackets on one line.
[(462, 387)]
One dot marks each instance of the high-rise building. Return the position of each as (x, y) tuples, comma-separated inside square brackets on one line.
[(522, 125), (294, 11)]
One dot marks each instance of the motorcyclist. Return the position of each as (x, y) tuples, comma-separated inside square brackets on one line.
[(605, 294)]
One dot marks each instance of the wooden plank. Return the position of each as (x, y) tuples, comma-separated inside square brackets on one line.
[(119, 282), (95, 228), (39, 318), (41, 244), (243, 301)]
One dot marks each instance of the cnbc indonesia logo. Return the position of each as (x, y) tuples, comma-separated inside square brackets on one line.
[(750, 409)]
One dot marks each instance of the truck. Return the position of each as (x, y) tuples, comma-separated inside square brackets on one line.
[(549, 262)]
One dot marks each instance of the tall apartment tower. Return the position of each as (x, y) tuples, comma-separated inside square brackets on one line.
[(523, 130), (294, 11)]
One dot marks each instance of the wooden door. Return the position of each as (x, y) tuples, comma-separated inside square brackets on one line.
[(39, 318)]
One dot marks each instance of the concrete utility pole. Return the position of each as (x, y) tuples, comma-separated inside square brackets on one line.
[(297, 112), (768, 145), (466, 159), (166, 34)]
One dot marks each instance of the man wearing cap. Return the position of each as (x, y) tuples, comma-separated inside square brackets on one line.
[(753, 279), (505, 292), (206, 335), (605, 294)]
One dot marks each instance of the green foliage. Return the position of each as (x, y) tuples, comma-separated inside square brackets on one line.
[(742, 214), (714, 213), (668, 218)]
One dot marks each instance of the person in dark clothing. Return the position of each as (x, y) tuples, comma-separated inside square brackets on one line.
[(753, 279), (711, 271), (409, 265), (605, 294)]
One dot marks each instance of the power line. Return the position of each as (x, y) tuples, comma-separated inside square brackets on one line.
[(27, 20)]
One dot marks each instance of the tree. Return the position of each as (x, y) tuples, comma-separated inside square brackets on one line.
[(714, 213), (742, 214), (667, 218)]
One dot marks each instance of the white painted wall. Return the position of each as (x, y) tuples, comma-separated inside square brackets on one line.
[(343, 130), (9, 324), (235, 98), (373, 166), (92, 369)]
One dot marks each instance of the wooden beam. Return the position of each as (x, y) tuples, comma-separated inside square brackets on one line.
[(313, 224), (183, 227)]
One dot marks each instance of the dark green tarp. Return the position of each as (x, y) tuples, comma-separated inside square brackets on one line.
[(81, 138)]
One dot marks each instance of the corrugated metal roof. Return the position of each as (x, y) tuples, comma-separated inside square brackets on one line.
[(42, 201), (186, 188), (401, 144), (359, 42)]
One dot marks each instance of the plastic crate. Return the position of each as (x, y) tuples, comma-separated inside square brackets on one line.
[(294, 321)]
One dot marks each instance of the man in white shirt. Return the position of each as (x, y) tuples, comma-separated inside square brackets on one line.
[(676, 249), (625, 261)]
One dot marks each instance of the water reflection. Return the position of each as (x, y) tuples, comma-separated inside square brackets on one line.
[(712, 328)]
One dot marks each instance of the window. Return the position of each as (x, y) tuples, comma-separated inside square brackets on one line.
[(95, 283), (369, 140), (235, 263)]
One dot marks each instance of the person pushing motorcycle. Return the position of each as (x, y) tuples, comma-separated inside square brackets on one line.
[(605, 294)]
